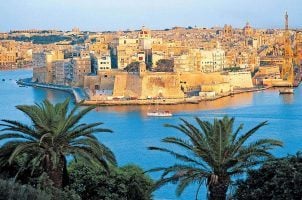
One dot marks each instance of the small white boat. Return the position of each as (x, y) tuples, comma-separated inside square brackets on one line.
[(286, 91), (159, 114)]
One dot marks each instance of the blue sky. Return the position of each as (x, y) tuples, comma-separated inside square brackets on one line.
[(102, 15)]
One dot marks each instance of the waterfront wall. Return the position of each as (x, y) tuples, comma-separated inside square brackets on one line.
[(39, 74), (120, 83), (165, 85), (239, 79), (78, 93), (219, 88), (134, 86), (199, 78)]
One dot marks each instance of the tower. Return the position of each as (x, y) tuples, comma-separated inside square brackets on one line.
[(287, 72), (142, 69), (248, 31), (227, 31)]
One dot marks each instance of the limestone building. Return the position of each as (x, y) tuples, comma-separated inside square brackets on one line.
[(248, 31), (212, 60), (81, 66)]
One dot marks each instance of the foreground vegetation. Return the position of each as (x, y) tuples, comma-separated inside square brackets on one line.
[(55, 134), (278, 179), (58, 157), (37, 154), (124, 183), (215, 153)]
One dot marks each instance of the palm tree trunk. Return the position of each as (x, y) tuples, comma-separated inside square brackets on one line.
[(219, 190), (65, 174), (55, 173)]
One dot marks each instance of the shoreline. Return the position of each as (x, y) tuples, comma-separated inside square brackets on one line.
[(166, 101), (80, 96), (72, 90)]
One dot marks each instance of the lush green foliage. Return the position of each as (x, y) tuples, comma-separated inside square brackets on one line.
[(132, 67), (232, 69), (36, 39), (10, 190), (54, 134), (212, 153), (125, 183), (279, 179)]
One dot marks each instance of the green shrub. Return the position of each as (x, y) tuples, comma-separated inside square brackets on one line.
[(125, 183), (10, 190), (280, 179)]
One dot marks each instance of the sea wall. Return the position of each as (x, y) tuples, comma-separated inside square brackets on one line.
[(199, 78), (219, 88), (157, 84), (166, 85), (151, 84), (239, 79)]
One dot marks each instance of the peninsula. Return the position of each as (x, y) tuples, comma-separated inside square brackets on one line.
[(171, 66)]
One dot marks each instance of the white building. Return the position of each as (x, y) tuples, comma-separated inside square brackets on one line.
[(212, 61), (103, 63)]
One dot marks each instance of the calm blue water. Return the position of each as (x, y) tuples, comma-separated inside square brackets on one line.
[(134, 132)]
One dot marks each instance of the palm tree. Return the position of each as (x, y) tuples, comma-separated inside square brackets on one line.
[(215, 153), (54, 134)]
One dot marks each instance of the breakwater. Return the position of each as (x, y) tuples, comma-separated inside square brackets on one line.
[(78, 93)]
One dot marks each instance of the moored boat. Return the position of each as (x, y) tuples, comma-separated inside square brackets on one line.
[(286, 91)]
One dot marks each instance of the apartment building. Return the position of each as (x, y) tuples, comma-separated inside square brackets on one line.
[(81, 66), (212, 60)]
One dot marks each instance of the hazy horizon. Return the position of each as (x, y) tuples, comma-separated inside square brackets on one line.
[(114, 15)]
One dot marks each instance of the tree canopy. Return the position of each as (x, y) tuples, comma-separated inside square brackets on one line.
[(278, 179), (54, 134), (212, 153), (164, 65), (92, 182), (132, 67)]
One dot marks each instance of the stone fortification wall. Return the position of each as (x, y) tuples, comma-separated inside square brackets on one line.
[(39, 74), (107, 82), (156, 84), (166, 85), (219, 89), (91, 81), (133, 86), (120, 83), (239, 79), (198, 78)]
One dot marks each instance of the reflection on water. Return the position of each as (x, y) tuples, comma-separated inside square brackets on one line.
[(239, 100), (287, 98)]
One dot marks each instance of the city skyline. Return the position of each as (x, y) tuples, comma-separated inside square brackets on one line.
[(112, 15)]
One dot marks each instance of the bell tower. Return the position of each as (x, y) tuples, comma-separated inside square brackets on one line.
[(287, 72)]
